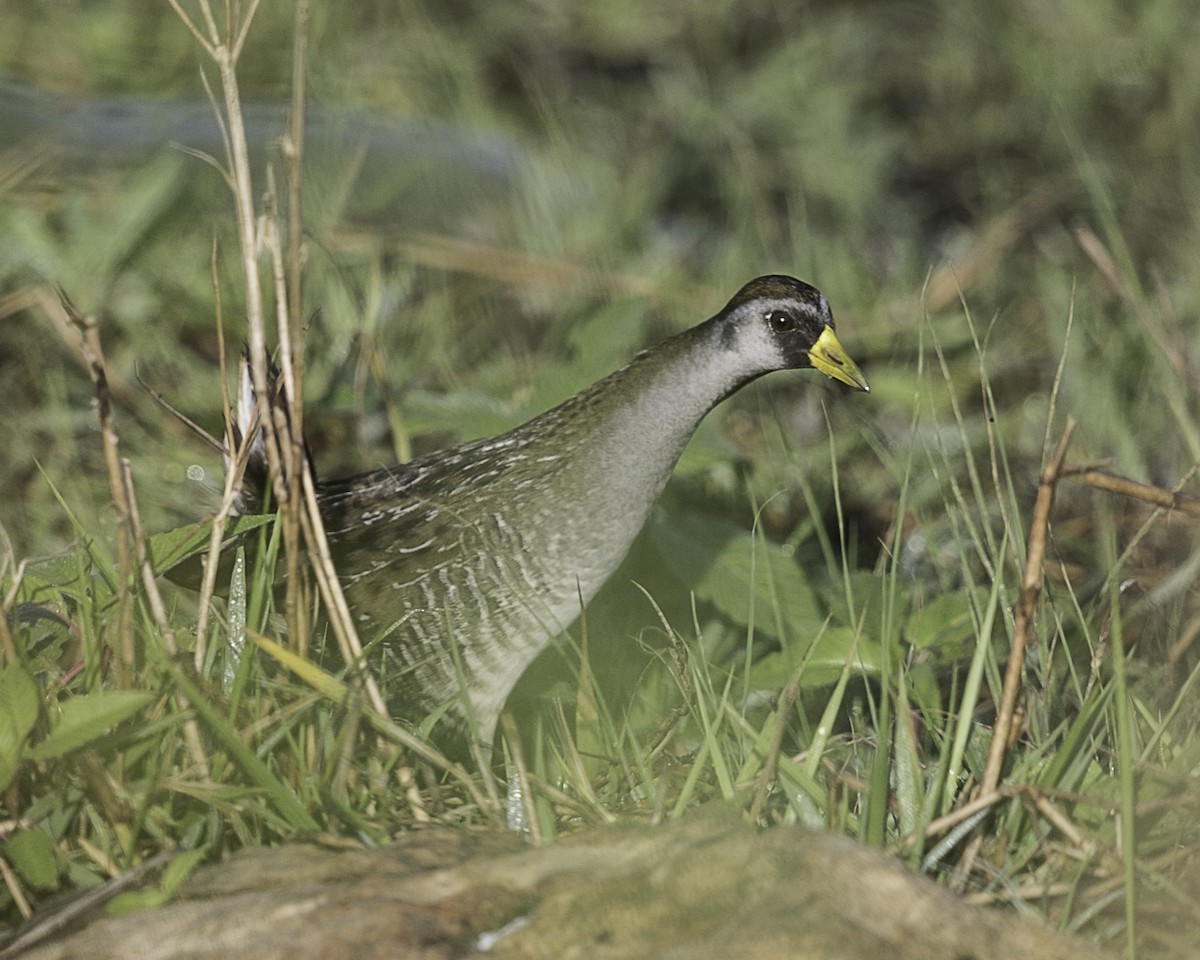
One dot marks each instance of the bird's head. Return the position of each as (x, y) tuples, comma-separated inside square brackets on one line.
[(781, 323)]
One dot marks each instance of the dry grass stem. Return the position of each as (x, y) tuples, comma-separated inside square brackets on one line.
[(1104, 262), (1031, 585), (158, 609), (235, 469), (959, 814), (951, 280), (412, 793), (516, 268), (7, 603), (1007, 711), (93, 356), (13, 885), (131, 543), (331, 594), (213, 443), (289, 430), (293, 485), (1186, 638), (1147, 493), (293, 151), (53, 921)]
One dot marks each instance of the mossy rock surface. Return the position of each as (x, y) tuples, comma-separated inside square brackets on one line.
[(706, 887)]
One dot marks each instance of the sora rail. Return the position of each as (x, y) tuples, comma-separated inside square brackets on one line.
[(461, 566)]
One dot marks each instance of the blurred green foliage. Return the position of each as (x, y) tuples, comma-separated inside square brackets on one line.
[(504, 200), (664, 151)]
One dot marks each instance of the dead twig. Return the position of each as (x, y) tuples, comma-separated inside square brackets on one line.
[(950, 281), (1147, 493), (132, 548), (54, 921), (292, 481), (180, 416), (1031, 587), (93, 356), (8, 649), (1106, 264), (1005, 726), (1186, 638)]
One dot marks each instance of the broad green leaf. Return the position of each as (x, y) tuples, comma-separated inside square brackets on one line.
[(136, 901), (62, 570), (823, 661), (87, 718), (78, 574), (45, 635), (944, 624), (923, 688), (171, 548), (864, 600), (908, 792), (741, 576), (18, 714), (32, 853)]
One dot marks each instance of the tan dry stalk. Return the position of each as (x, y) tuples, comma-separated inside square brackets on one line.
[(1106, 264), (293, 485), (288, 428), (293, 150), (13, 885), (1031, 587), (131, 542), (959, 814), (93, 356), (8, 649), (1147, 493), (234, 471), (950, 281)]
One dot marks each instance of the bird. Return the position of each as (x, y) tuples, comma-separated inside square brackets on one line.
[(461, 566)]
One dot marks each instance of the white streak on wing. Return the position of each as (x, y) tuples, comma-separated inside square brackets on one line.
[(396, 548)]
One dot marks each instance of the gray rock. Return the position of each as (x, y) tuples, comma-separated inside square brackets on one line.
[(706, 887)]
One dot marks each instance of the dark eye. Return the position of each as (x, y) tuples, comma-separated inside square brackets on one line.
[(780, 321)]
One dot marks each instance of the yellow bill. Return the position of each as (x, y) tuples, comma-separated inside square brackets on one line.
[(828, 356)]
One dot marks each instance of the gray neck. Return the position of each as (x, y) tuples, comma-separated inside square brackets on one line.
[(626, 432), (642, 416)]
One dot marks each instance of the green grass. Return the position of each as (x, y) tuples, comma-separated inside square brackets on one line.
[(830, 585)]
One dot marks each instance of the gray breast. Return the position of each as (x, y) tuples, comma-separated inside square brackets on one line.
[(480, 568)]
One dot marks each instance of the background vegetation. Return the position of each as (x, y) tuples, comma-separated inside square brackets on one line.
[(503, 202)]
